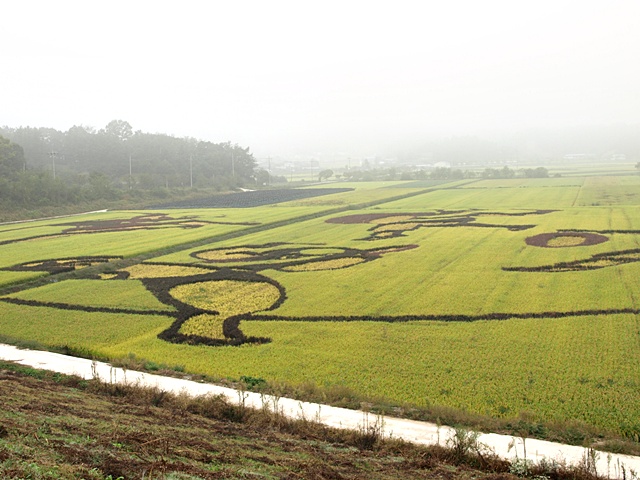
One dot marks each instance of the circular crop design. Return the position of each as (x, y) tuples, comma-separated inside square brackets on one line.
[(565, 239), (228, 297), (227, 255)]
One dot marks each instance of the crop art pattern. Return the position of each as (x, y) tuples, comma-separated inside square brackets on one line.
[(61, 264), (222, 287), (575, 238), (211, 299), (141, 222), (387, 225)]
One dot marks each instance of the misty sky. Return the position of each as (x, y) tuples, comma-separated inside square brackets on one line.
[(318, 76)]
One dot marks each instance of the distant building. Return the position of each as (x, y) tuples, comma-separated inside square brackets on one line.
[(579, 156), (442, 165)]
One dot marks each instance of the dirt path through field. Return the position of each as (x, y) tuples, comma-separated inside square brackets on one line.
[(610, 465)]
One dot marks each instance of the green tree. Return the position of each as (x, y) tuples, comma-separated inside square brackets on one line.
[(325, 174), (120, 129), (506, 172), (539, 172), (263, 177), (11, 158)]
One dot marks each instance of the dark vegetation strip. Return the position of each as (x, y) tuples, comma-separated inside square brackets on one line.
[(140, 222), (256, 198), (86, 308), (634, 232), (442, 318), (599, 260), (60, 265), (463, 214), (516, 214), (543, 239)]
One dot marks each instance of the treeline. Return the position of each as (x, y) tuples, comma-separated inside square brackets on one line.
[(44, 166), (442, 173)]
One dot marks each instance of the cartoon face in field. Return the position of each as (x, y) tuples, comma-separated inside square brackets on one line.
[(392, 225), (212, 297), (224, 286)]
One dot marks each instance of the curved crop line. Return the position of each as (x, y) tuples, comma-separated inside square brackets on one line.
[(369, 217), (444, 223), (175, 264), (435, 219), (86, 308), (140, 222), (59, 265), (282, 258), (26, 239), (161, 287), (516, 214), (579, 230), (616, 258), (236, 337), (588, 239), (442, 318)]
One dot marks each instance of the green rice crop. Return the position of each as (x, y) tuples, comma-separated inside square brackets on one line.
[(130, 294), (577, 362)]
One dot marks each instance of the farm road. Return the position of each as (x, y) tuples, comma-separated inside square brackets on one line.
[(409, 430)]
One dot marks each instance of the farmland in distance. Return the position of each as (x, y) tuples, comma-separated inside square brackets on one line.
[(496, 297)]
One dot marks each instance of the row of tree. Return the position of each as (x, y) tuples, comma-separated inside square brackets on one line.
[(441, 173), (133, 159), (44, 166)]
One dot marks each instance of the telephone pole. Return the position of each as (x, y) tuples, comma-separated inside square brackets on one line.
[(53, 156), (233, 166)]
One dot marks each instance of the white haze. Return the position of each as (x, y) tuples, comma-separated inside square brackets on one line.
[(286, 77)]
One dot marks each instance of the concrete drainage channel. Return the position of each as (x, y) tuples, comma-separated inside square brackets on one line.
[(507, 447)]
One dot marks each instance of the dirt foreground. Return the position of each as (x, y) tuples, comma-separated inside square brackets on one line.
[(507, 447)]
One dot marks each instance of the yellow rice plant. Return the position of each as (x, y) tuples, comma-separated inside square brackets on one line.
[(205, 325), (393, 219), (325, 265), (228, 297), (226, 254), (108, 276), (565, 241), (143, 270), (398, 226)]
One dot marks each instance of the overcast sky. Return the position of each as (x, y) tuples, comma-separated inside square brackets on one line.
[(318, 76)]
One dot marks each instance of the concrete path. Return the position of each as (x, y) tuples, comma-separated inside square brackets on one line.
[(607, 465)]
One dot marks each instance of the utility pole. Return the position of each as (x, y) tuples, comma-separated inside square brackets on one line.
[(233, 166), (53, 156), (191, 170), (130, 178)]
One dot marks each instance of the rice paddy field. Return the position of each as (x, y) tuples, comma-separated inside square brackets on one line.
[(496, 297)]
